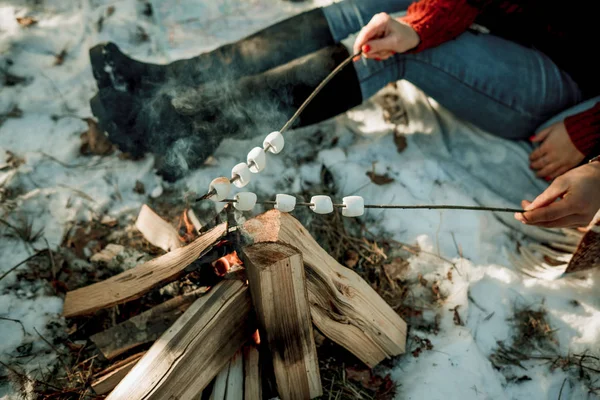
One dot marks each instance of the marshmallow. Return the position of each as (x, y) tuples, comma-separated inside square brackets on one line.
[(221, 186), (257, 161), (354, 206), (243, 172), (245, 201), (321, 204), (274, 141), (285, 203)]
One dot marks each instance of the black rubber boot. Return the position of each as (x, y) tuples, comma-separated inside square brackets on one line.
[(282, 42)]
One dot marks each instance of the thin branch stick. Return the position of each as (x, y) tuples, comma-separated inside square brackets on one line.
[(22, 262)]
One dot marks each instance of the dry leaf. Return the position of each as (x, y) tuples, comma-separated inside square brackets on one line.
[(435, 288), (59, 59), (379, 179), (26, 21), (139, 188), (110, 11), (449, 275), (365, 377), (400, 141), (94, 142), (351, 258), (457, 319), (422, 280)]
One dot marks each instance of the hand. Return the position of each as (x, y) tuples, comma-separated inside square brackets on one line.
[(556, 155), (384, 36), (579, 191)]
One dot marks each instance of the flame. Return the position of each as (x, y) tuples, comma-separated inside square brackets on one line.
[(187, 230), (256, 337), (225, 264)]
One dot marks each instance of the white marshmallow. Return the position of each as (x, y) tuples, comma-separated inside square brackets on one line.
[(354, 206), (274, 141), (257, 161), (245, 201), (285, 203), (321, 204), (245, 176), (221, 186)]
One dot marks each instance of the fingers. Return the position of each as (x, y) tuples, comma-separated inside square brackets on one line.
[(548, 170), (537, 153), (558, 188), (571, 221), (374, 29), (561, 170), (547, 214), (541, 135), (380, 47)]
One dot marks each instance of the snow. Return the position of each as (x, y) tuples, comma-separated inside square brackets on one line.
[(56, 186)]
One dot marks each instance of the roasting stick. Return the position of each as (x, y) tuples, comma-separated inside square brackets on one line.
[(397, 206), (221, 189), (294, 117)]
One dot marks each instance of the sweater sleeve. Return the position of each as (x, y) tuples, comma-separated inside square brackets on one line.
[(584, 130), (437, 21)]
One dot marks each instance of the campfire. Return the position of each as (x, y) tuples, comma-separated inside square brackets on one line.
[(250, 333)]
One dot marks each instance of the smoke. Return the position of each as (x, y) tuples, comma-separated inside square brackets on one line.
[(183, 115)]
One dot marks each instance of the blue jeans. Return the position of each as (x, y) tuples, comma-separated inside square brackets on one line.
[(502, 87)]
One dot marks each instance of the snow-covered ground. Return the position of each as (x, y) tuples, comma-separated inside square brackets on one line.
[(55, 186)]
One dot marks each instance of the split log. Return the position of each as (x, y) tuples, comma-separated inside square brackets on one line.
[(343, 306), (145, 327), (134, 283), (252, 375), (278, 286), (587, 255), (184, 360), (107, 380), (229, 384), (156, 230)]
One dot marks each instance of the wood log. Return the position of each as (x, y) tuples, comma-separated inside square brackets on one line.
[(229, 384), (587, 255), (343, 306), (183, 361), (278, 286), (134, 283), (145, 327), (252, 375), (156, 230), (107, 380)]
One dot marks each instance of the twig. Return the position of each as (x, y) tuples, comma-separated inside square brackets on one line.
[(22, 262), (58, 353), (17, 321), (23, 376), (561, 389)]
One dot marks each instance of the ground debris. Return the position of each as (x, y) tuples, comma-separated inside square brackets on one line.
[(94, 141), (26, 21)]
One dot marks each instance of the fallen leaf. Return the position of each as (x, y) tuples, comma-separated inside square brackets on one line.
[(59, 59), (110, 11), (351, 258), (400, 141), (94, 142), (422, 280), (449, 275), (365, 377), (26, 21), (435, 288), (457, 319), (379, 179), (139, 188)]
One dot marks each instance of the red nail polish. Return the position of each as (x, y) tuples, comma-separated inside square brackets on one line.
[(366, 48), (548, 179), (378, 59), (531, 138)]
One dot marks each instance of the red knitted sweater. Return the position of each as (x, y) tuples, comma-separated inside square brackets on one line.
[(532, 23)]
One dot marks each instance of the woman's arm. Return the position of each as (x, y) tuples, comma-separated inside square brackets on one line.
[(437, 21), (584, 130), (427, 23)]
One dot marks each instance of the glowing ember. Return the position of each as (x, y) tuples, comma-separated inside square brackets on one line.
[(227, 264), (256, 337), (187, 230)]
